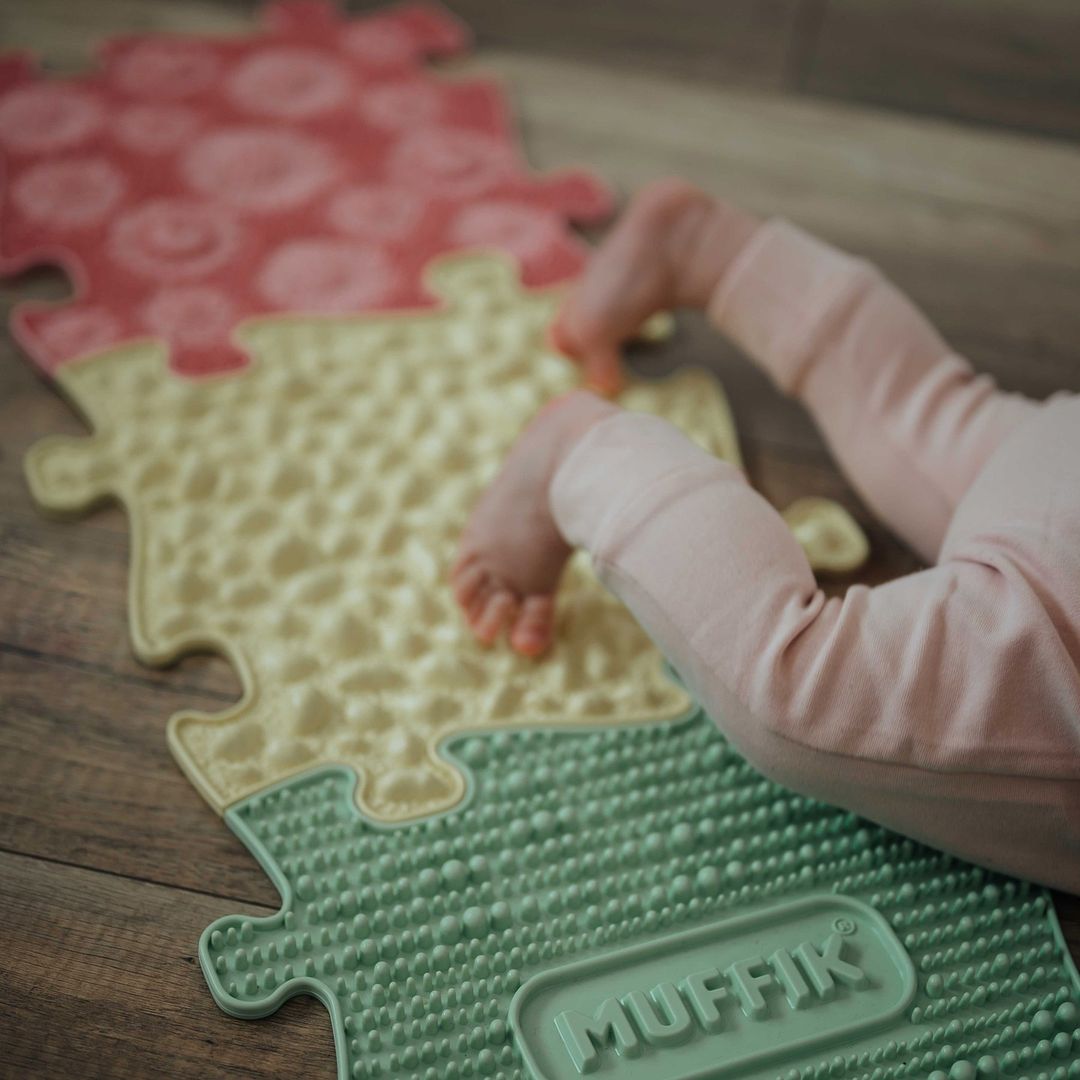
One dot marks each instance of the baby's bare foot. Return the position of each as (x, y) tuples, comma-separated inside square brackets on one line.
[(668, 249), (512, 555)]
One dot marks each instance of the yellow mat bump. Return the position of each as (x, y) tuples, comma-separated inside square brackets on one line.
[(832, 539)]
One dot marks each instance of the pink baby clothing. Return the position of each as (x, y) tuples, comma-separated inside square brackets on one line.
[(945, 704)]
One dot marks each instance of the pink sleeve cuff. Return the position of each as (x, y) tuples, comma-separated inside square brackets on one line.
[(624, 467), (781, 295)]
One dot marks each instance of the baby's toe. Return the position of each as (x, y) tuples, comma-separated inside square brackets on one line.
[(534, 627)]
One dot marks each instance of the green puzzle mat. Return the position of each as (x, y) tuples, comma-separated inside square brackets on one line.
[(639, 902)]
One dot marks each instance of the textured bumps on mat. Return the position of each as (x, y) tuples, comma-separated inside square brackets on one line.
[(639, 902), (299, 516), (315, 165)]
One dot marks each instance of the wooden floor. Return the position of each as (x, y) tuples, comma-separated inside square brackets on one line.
[(938, 137)]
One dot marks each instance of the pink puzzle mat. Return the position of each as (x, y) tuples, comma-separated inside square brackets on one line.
[(315, 165)]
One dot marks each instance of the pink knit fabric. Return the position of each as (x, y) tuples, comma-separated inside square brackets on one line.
[(945, 704)]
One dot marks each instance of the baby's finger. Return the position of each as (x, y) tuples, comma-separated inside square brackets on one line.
[(603, 370), (561, 334), (484, 592), (498, 611), (467, 582), (533, 630), (599, 356)]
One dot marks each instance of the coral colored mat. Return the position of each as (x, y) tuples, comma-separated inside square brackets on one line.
[(315, 165)]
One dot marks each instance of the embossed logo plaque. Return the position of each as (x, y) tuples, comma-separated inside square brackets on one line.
[(751, 991)]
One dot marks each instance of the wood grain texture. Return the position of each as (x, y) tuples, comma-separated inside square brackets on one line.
[(861, 176), (65, 33), (747, 45), (979, 227), (114, 865), (86, 779), (99, 978), (997, 62)]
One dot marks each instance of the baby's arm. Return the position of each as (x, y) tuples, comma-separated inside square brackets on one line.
[(910, 422), (668, 249), (943, 704)]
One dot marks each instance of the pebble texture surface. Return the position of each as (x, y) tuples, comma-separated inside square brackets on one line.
[(572, 845), (300, 517)]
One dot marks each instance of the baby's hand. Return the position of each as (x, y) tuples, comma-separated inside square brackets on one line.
[(669, 249)]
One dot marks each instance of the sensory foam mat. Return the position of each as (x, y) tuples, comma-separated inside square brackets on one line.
[(638, 902), (315, 166), (299, 516)]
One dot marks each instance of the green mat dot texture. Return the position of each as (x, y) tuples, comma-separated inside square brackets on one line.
[(639, 902)]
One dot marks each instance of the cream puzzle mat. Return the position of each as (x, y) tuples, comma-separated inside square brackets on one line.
[(300, 516)]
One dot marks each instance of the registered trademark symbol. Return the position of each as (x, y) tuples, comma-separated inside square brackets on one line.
[(844, 926)]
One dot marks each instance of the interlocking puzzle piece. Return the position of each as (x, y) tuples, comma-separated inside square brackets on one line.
[(832, 539), (312, 166), (690, 918), (299, 517)]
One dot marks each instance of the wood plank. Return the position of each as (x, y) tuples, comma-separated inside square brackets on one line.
[(997, 62), (995, 206), (747, 46), (979, 227), (86, 778), (746, 43), (63, 594), (859, 175), (1020, 323), (99, 978), (959, 219), (65, 35)]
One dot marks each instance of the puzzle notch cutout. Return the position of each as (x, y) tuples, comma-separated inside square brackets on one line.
[(314, 165), (300, 516), (579, 846)]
